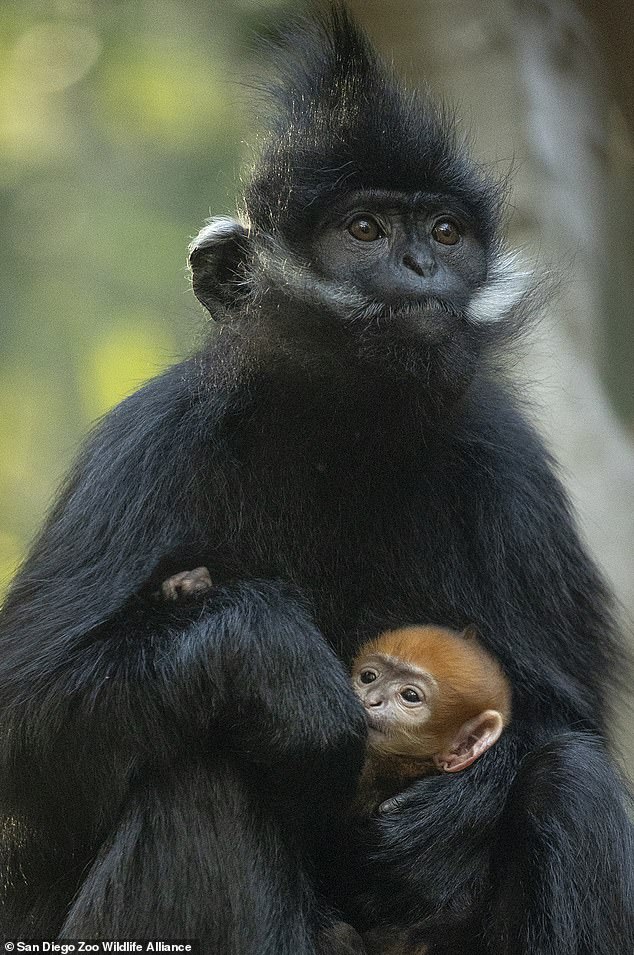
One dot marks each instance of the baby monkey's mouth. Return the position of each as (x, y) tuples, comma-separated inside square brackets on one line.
[(375, 723)]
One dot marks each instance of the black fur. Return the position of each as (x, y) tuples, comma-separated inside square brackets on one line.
[(343, 123), (182, 770)]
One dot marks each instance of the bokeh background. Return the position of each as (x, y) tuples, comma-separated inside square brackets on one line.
[(123, 125)]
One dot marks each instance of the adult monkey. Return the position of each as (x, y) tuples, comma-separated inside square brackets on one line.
[(347, 436)]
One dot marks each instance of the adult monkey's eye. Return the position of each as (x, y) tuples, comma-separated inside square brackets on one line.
[(368, 676), (446, 232), (365, 229)]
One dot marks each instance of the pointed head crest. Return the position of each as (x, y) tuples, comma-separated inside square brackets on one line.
[(343, 122)]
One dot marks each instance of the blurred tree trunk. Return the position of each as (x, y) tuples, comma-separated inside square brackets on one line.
[(527, 78)]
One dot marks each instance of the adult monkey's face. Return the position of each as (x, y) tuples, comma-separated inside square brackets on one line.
[(368, 231), (400, 248), (415, 258)]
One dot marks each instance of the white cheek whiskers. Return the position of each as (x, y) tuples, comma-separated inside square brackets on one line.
[(506, 286)]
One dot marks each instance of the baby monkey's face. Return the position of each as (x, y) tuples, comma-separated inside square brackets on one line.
[(431, 694), (398, 697)]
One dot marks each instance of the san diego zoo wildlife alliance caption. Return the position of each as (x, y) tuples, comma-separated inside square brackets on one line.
[(92, 946)]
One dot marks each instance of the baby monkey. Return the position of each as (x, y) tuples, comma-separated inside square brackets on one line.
[(435, 700)]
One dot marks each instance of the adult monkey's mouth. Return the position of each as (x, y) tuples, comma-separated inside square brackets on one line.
[(423, 307)]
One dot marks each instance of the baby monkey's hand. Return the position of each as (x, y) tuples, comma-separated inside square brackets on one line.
[(186, 584)]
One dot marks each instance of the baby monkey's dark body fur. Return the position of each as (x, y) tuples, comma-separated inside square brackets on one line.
[(342, 462)]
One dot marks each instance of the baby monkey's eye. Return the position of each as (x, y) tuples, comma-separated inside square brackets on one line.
[(365, 229), (410, 695), (368, 676)]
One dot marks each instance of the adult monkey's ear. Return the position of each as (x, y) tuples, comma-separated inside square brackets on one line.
[(215, 257)]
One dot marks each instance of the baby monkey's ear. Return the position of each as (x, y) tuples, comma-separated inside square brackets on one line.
[(472, 739)]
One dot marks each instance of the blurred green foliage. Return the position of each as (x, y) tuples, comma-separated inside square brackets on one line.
[(119, 131)]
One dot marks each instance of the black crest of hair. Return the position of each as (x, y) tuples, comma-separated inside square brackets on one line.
[(343, 459), (340, 120)]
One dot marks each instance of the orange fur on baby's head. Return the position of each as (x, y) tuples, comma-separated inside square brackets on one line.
[(469, 679), (435, 700)]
